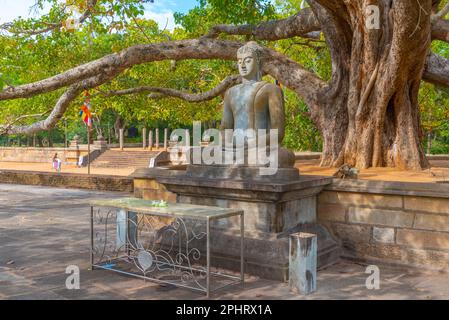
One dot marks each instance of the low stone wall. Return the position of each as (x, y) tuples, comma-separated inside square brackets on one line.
[(310, 155), (31, 154), (444, 157), (68, 180), (307, 155), (40, 155), (395, 222)]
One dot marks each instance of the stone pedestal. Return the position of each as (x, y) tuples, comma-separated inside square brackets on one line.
[(121, 139), (100, 144), (274, 208), (144, 138), (150, 140), (302, 268), (73, 152), (74, 143)]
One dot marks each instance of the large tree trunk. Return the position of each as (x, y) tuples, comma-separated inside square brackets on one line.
[(385, 69), (331, 115)]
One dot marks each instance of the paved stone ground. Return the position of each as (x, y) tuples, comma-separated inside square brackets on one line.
[(43, 230)]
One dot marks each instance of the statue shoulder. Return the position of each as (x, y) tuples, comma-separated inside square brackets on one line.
[(269, 87), (228, 92)]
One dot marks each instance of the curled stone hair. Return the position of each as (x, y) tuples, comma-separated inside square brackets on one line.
[(250, 47), (253, 48)]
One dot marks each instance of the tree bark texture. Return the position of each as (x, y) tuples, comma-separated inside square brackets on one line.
[(372, 120)]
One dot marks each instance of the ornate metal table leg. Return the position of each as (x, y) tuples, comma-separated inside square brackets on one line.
[(131, 232), (127, 246), (242, 248), (208, 257), (133, 225), (91, 237), (122, 223)]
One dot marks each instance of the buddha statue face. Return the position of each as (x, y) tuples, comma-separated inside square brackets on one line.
[(248, 62)]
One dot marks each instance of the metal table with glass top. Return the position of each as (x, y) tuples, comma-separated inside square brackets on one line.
[(161, 242)]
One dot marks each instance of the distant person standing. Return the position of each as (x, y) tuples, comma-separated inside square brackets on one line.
[(56, 163), (80, 161)]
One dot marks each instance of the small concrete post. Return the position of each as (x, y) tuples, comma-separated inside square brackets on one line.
[(144, 138), (165, 138), (157, 138), (150, 140), (187, 138), (121, 139), (302, 262)]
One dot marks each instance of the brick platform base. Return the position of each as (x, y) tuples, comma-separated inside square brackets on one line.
[(392, 222)]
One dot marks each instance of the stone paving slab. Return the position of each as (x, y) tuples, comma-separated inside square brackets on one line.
[(43, 230)]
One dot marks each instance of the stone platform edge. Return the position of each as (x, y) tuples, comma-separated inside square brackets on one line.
[(422, 189)]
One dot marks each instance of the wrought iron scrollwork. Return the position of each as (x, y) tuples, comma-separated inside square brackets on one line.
[(165, 247)]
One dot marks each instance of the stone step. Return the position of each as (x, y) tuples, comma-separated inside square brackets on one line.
[(127, 157), (123, 159)]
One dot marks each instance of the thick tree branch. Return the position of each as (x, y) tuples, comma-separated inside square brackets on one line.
[(436, 70), (339, 41), (93, 74), (57, 112), (440, 30), (61, 106), (50, 26), (279, 66), (190, 97), (299, 24), (4, 128), (176, 50), (441, 14)]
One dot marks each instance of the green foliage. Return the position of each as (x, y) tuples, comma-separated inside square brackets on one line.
[(434, 108), (300, 133), (208, 13), (46, 55), (440, 146), (116, 25)]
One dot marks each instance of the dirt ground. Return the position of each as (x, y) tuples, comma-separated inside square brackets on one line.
[(439, 171)]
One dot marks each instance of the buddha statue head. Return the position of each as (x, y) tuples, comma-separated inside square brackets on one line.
[(248, 60)]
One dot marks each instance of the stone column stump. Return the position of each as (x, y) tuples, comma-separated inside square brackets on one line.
[(144, 138), (150, 140), (302, 262), (121, 139)]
